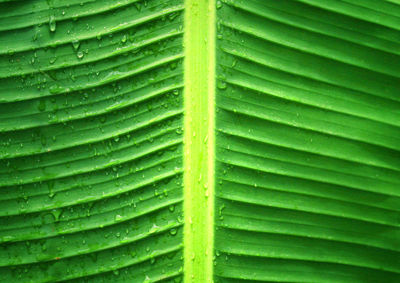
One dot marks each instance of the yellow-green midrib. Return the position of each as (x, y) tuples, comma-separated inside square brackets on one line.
[(199, 46)]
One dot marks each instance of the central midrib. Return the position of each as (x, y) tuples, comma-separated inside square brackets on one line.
[(199, 104)]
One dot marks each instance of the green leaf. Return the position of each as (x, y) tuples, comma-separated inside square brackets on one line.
[(200, 141), (91, 143), (308, 142)]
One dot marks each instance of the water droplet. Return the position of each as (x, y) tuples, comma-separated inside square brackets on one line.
[(42, 106), (173, 65), (43, 140), (52, 23), (79, 54), (173, 232), (221, 208), (76, 44), (234, 62), (56, 89), (153, 229), (172, 16), (138, 6), (56, 214), (221, 85)]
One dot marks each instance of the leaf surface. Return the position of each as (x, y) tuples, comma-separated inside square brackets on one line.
[(198, 141), (91, 141), (307, 142)]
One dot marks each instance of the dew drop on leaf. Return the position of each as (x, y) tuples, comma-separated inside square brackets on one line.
[(52, 23), (221, 85), (76, 44)]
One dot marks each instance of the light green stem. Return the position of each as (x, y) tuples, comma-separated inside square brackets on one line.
[(199, 43)]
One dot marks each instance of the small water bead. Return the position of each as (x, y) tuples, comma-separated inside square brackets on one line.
[(76, 44), (221, 85), (79, 54), (52, 23)]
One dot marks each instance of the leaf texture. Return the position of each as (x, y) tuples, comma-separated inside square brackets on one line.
[(308, 141), (91, 141)]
